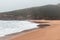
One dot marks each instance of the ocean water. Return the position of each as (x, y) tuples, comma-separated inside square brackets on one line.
[(9, 27)]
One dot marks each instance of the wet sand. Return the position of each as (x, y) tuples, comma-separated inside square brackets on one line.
[(51, 32)]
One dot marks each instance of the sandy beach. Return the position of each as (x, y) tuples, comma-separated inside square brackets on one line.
[(47, 33)]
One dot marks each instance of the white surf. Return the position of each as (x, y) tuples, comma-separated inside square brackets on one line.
[(9, 27)]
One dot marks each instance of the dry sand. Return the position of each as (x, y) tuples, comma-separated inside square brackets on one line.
[(48, 33)]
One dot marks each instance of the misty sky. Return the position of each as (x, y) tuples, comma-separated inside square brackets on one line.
[(9, 5)]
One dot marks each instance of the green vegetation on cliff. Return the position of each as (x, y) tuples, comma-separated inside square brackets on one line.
[(42, 12)]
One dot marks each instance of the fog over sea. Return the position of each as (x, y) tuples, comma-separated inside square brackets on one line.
[(9, 27)]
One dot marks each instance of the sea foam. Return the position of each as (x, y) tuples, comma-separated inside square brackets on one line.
[(9, 27)]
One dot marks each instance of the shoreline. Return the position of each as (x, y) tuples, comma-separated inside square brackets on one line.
[(48, 33), (7, 37), (23, 32)]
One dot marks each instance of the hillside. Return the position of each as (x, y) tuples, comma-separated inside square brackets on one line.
[(41, 12)]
